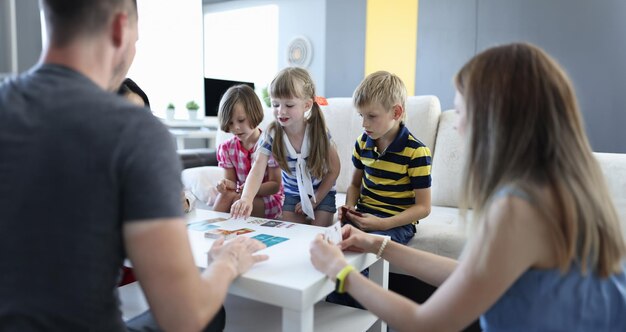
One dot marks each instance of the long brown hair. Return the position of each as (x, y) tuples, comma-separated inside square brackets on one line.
[(294, 82), (525, 129)]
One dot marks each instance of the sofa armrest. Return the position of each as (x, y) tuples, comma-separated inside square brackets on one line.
[(197, 157), (201, 182)]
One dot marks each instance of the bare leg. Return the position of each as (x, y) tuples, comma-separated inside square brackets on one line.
[(294, 217), (323, 218), (224, 201), (258, 207)]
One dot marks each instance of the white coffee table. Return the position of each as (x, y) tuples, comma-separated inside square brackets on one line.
[(288, 279)]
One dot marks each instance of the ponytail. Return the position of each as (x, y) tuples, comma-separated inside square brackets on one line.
[(278, 146), (319, 144)]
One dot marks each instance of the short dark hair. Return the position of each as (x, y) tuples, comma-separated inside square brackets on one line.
[(67, 19), (129, 86)]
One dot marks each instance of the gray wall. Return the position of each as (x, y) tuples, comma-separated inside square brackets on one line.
[(5, 43), (304, 18), (588, 38), (345, 46), (28, 34)]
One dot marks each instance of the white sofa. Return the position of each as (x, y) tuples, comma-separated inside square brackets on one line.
[(442, 232)]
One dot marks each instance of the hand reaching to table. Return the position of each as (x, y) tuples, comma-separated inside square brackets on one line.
[(242, 208), (238, 253)]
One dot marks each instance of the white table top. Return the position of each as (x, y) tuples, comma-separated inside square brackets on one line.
[(287, 278)]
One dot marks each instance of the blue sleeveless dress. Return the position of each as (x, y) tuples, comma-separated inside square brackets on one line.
[(546, 300)]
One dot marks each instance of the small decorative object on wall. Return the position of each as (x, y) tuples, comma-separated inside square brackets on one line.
[(170, 111), (192, 108), (299, 52)]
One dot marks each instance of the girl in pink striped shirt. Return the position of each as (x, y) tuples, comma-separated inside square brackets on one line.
[(240, 113)]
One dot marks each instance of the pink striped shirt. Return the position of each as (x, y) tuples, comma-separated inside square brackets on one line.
[(232, 154)]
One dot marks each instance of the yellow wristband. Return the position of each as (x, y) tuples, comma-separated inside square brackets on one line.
[(341, 278)]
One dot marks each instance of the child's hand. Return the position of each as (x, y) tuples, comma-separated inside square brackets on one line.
[(344, 215), (242, 208), (366, 222), (225, 185), (298, 208)]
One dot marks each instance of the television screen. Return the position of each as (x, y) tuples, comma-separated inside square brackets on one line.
[(214, 90)]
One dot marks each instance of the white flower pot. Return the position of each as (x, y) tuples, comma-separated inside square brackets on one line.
[(193, 114), (169, 114)]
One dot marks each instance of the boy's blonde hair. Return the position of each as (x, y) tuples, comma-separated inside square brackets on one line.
[(525, 130), (294, 82), (383, 88), (247, 98)]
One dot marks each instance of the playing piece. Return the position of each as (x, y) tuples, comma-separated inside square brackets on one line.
[(333, 233)]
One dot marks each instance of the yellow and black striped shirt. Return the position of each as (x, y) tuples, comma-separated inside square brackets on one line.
[(389, 178)]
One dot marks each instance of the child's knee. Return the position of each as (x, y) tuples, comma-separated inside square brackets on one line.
[(323, 218)]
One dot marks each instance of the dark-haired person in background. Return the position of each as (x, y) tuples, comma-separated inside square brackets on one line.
[(105, 190), (131, 91)]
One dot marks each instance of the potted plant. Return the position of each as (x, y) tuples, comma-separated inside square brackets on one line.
[(170, 111), (192, 108), (266, 97)]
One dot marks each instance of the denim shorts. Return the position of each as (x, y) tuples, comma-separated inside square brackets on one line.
[(327, 204), (401, 234)]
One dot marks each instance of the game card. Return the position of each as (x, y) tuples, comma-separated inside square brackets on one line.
[(256, 221), (344, 214), (201, 226), (333, 233), (275, 240), (262, 237), (216, 233), (243, 231), (272, 223), (270, 240), (214, 220)]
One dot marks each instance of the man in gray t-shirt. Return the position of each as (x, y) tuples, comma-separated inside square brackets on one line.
[(86, 180)]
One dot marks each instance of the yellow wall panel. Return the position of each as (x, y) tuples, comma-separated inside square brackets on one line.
[(391, 39)]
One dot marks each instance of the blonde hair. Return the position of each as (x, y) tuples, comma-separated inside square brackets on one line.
[(245, 96), (525, 129), (294, 82), (383, 88)]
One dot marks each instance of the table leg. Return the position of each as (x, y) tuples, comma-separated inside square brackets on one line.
[(298, 320), (180, 142), (379, 273)]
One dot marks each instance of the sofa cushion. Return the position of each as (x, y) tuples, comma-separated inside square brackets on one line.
[(201, 182), (447, 162), (443, 233), (345, 127), (613, 166)]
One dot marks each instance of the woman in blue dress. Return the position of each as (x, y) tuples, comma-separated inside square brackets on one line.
[(545, 250)]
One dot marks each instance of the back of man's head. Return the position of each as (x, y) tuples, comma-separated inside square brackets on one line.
[(67, 20)]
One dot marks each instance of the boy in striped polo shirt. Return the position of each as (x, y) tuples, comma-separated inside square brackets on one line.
[(391, 182)]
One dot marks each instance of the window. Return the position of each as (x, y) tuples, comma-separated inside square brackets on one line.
[(241, 44)]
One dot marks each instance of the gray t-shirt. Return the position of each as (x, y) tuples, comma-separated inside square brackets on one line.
[(76, 162)]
